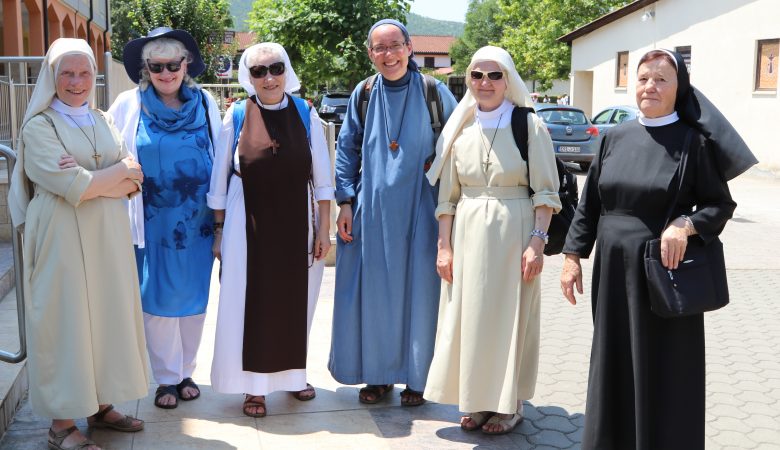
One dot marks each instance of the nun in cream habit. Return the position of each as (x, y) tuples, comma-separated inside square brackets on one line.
[(70, 182), (491, 238)]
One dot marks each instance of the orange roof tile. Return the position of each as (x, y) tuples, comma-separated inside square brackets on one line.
[(439, 45), (245, 39)]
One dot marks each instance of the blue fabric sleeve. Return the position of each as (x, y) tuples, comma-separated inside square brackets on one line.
[(348, 150)]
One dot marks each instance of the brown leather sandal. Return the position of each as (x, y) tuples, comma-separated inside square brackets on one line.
[(56, 438), (305, 395), (379, 391), (124, 424), (410, 397), (250, 402)]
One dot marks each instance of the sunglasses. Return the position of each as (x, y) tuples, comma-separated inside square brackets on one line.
[(478, 74), (275, 69), (158, 67)]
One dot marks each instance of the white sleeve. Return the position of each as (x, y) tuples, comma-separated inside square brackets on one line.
[(217, 196), (322, 174)]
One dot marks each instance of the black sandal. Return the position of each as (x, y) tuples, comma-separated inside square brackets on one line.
[(161, 392), (379, 391), (187, 383)]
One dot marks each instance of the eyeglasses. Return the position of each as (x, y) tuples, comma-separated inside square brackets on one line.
[(494, 76), (260, 71), (158, 67), (394, 48)]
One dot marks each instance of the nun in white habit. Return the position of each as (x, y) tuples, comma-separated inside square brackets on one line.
[(270, 186), (491, 238)]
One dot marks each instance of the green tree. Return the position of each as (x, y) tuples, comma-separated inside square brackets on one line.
[(531, 30), (325, 39), (481, 29), (205, 20)]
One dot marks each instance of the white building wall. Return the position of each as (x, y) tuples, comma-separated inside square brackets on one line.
[(722, 35), (438, 61)]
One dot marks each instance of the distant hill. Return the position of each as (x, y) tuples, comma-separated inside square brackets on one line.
[(416, 24), (421, 25), (240, 11)]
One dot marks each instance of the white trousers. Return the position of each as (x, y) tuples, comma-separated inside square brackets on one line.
[(173, 343)]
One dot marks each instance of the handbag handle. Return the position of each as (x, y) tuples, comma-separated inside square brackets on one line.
[(681, 172)]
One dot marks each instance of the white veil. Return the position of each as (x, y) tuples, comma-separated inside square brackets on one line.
[(292, 83)]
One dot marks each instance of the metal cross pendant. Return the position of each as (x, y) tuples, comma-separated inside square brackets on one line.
[(393, 145), (97, 160), (274, 146), (487, 164)]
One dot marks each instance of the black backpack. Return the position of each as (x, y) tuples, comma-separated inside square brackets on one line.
[(559, 225)]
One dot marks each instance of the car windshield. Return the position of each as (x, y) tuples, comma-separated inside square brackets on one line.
[(335, 99), (563, 117)]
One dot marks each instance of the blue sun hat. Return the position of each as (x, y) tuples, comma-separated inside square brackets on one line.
[(131, 55)]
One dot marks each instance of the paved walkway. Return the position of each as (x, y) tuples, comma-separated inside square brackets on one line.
[(743, 387)]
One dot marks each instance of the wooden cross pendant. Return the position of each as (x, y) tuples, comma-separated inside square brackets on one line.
[(274, 146), (97, 160), (393, 145)]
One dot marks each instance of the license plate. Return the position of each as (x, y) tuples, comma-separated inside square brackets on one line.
[(568, 149), (341, 116)]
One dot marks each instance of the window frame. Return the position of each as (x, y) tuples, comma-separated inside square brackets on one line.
[(774, 61)]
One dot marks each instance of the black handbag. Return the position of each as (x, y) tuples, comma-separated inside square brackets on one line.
[(699, 283)]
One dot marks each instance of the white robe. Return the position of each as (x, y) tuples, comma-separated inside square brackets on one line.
[(227, 374)]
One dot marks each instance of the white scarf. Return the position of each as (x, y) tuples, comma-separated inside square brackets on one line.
[(516, 93)]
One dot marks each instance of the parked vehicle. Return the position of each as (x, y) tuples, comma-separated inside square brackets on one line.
[(333, 106), (574, 137), (614, 115)]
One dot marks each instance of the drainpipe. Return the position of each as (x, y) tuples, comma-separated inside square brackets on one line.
[(45, 17), (108, 24), (89, 23)]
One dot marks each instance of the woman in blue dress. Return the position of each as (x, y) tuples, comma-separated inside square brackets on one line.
[(170, 125)]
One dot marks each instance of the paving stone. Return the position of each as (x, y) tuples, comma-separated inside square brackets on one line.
[(734, 438), (556, 423), (765, 436), (552, 438)]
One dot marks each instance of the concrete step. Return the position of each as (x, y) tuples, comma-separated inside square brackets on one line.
[(13, 377)]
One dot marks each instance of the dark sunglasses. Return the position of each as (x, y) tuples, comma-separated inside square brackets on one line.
[(276, 69), (158, 67), (477, 75)]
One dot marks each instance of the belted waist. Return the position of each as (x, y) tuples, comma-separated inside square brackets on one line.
[(494, 192)]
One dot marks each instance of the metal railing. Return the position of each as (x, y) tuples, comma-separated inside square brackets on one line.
[(223, 93), (16, 240), (18, 75)]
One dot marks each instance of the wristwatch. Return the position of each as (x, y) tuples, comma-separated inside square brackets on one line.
[(541, 235)]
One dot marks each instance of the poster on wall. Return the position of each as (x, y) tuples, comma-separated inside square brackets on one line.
[(767, 65)]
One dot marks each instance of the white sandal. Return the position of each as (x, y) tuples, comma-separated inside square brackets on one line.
[(480, 418)]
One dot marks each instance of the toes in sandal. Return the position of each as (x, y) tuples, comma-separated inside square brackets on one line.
[(187, 383), (161, 392), (410, 397), (124, 424), (507, 425), (251, 402), (479, 418), (56, 438), (305, 395), (378, 391)]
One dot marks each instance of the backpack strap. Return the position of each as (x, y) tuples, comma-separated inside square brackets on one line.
[(364, 96), (433, 102), (303, 110), (520, 129)]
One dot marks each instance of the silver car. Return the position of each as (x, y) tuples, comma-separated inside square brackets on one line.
[(614, 115), (574, 138)]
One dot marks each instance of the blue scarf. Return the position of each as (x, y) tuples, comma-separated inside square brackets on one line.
[(191, 115)]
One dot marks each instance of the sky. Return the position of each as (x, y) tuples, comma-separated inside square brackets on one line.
[(454, 10)]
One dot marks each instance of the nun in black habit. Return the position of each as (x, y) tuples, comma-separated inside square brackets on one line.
[(646, 387)]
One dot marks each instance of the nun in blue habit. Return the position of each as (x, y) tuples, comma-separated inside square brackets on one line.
[(387, 290)]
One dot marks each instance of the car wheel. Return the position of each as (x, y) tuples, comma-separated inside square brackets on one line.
[(584, 166)]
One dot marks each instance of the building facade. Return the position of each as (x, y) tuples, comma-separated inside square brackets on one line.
[(29, 26), (433, 52), (730, 46)]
